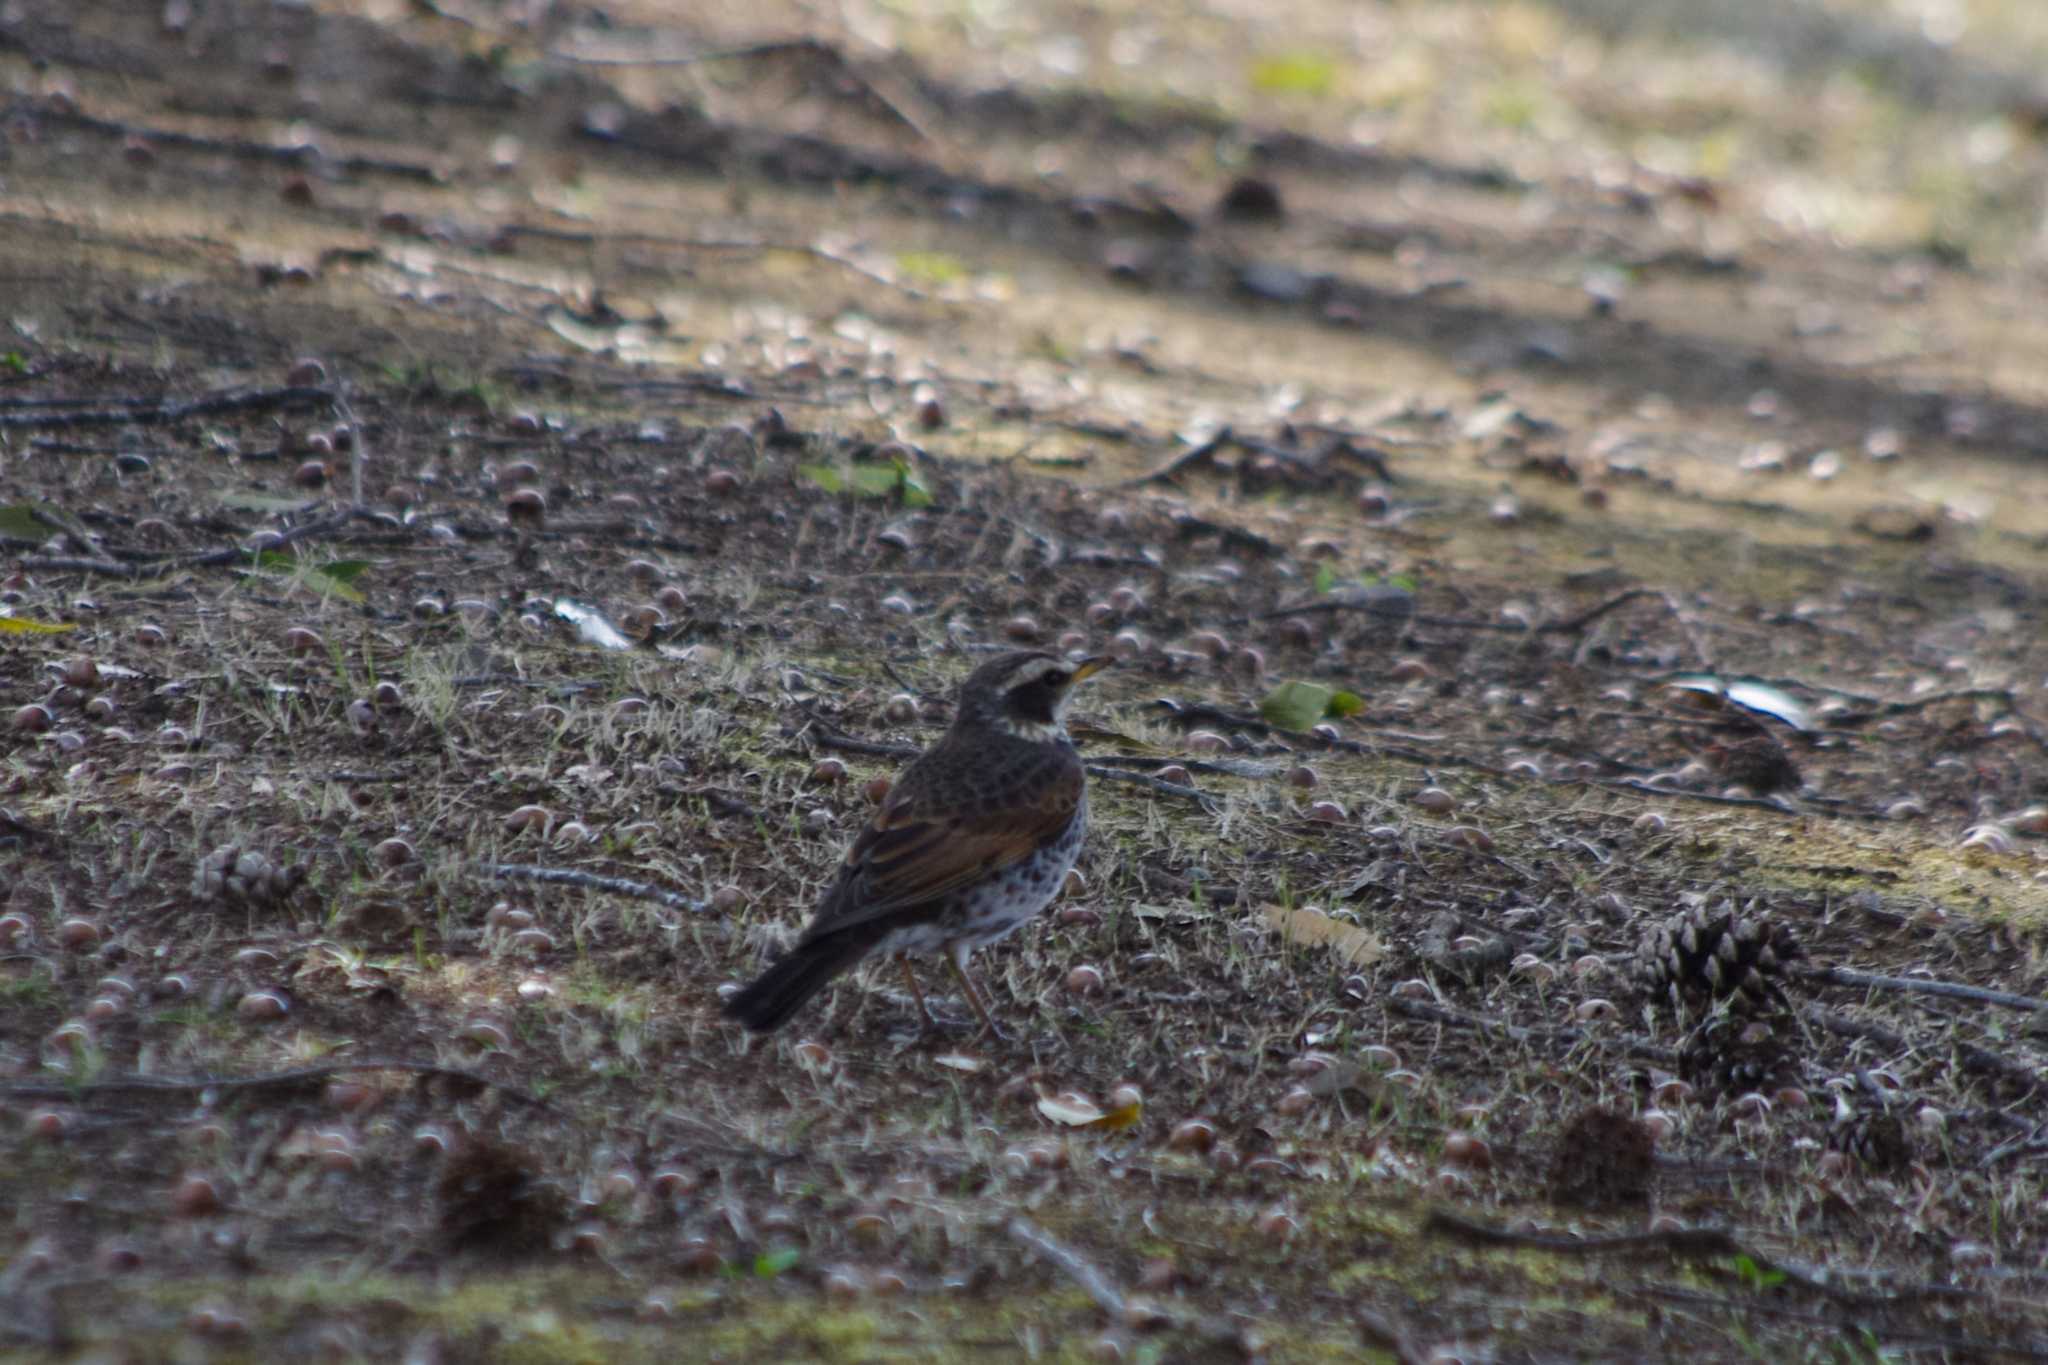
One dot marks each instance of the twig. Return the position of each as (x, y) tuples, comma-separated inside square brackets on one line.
[(1692, 1244), (1155, 784), (825, 737), (1959, 1348), (815, 252), (770, 47), (1572, 624), (1563, 1037), (270, 1080), (1380, 1332), (593, 881), (1955, 990), (1981, 1060), (1900, 708), (132, 410), (1073, 1264), (1181, 463), (290, 154)]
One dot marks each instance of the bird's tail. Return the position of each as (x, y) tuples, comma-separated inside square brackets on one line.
[(808, 968)]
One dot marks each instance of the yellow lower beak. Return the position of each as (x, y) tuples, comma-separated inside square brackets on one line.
[(1088, 668)]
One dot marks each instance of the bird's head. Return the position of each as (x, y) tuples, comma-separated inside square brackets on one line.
[(1023, 693)]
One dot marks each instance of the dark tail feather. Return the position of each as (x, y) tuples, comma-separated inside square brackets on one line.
[(782, 990)]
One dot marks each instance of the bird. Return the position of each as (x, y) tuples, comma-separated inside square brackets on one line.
[(973, 840)]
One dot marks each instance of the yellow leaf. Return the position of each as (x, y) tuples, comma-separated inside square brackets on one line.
[(1313, 929), (14, 625)]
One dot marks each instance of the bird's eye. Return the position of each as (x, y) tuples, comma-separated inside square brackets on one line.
[(1059, 677)]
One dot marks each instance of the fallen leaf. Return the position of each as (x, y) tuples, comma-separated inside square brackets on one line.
[(1314, 929), (1298, 705), (591, 625), (1075, 1111), (15, 625)]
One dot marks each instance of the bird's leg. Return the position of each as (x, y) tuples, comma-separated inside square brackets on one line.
[(957, 959), (924, 1010)]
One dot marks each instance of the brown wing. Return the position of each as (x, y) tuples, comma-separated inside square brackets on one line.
[(947, 825)]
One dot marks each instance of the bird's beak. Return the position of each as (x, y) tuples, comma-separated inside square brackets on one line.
[(1088, 668)]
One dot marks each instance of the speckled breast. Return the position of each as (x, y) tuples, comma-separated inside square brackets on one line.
[(996, 907)]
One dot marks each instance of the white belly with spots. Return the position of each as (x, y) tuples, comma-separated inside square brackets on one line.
[(999, 906)]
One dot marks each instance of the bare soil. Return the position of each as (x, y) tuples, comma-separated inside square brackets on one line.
[(1538, 377)]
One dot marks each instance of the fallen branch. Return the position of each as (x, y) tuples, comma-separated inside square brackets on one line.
[(771, 47), (1188, 459), (1572, 624), (1381, 1334), (1957, 1348), (147, 410), (1981, 1060), (593, 881), (572, 237), (1433, 1013), (1690, 1244), (1954, 990), (1901, 708), (1073, 1265), (270, 1080), (1153, 784)]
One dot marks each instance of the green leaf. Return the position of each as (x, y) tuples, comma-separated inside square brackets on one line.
[(930, 267), (1294, 73), (876, 480), (916, 493), (15, 361), (345, 570), (21, 522), (1344, 704), (823, 475), (14, 625), (332, 578), (322, 577), (769, 1264), (1296, 705), (1326, 578)]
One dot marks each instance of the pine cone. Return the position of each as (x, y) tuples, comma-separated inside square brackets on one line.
[(1726, 1056), (1875, 1139), (242, 876), (1756, 762), (1603, 1157), (1717, 955)]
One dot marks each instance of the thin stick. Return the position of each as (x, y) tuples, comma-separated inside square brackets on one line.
[(1564, 1037), (1955, 990), (593, 881), (1181, 463), (132, 410), (1073, 1264), (768, 48), (1692, 1244), (270, 1080)]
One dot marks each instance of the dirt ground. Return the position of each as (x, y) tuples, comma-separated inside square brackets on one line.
[(487, 489)]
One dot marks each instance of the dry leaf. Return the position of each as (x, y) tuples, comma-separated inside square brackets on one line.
[(1075, 1111), (1312, 928), (958, 1061)]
